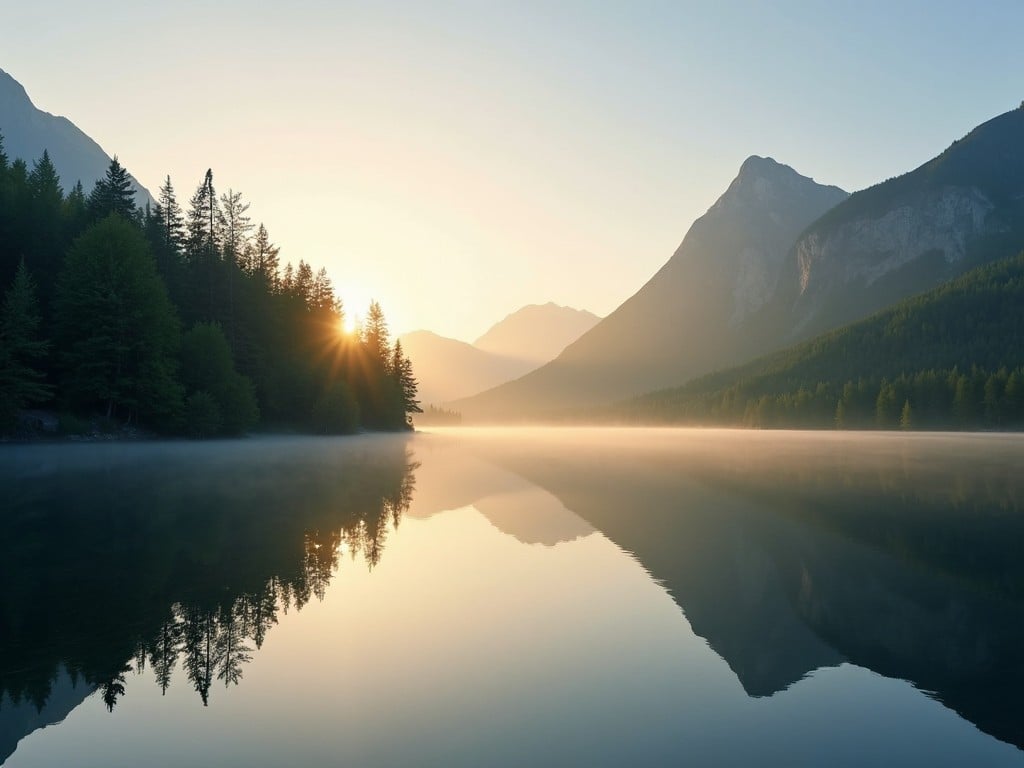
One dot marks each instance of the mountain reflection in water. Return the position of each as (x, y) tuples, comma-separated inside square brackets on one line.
[(787, 553)]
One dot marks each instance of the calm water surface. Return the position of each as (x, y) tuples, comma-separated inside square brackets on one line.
[(517, 597)]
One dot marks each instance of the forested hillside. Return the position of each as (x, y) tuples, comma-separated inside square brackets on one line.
[(950, 358), (179, 319)]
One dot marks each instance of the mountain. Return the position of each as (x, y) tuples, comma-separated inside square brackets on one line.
[(18, 719), (27, 131), (448, 369), (533, 516), (689, 318), (537, 332), (954, 356), (908, 234)]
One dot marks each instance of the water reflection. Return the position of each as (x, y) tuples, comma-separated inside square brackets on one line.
[(176, 556), (790, 553), (801, 561)]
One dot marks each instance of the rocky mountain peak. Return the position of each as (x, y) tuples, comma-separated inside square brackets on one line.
[(762, 180)]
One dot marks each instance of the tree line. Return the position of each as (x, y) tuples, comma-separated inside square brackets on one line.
[(179, 319), (932, 399), (952, 358)]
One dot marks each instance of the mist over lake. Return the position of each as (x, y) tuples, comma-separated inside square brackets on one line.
[(514, 597)]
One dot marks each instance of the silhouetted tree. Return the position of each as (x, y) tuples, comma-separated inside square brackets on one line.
[(113, 194), (116, 329), (21, 349), (207, 366), (401, 369)]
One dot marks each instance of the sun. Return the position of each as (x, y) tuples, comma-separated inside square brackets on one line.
[(349, 323), (354, 301)]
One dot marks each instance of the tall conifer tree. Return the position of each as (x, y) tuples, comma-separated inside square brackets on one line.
[(21, 350), (114, 193)]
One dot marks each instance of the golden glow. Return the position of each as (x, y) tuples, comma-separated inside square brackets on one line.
[(349, 323)]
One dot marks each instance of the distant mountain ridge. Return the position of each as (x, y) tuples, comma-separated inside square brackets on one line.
[(688, 318), (448, 369), (537, 332), (28, 130)]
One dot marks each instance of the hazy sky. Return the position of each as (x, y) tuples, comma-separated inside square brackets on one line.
[(457, 160)]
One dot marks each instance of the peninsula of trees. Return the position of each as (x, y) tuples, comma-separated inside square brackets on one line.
[(178, 319)]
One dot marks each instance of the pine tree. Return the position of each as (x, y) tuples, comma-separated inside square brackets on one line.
[(401, 369), (21, 382), (885, 405), (235, 226), (171, 220), (302, 284), (323, 298), (116, 328), (203, 249), (45, 244), (76, 211), (114, 193), (202, 235), (44, 182), (906, 416), (264, 263), (375, 334), (841, 417)]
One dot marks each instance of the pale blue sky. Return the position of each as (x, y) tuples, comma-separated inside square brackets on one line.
[(457, 160)]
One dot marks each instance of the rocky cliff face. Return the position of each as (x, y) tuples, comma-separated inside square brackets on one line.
[(910, 233), (861, 253)]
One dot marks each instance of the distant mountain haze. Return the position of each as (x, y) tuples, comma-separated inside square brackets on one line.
[(537, 332), (448, 369), (27, 131), (690, 317), (533, 516)]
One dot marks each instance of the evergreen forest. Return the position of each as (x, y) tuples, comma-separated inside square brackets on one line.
[(175, 318), (951, 358)]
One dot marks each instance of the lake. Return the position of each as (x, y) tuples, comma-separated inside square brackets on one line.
[(514, 597)]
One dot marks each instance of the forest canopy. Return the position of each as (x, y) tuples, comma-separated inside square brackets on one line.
[(176, 319)]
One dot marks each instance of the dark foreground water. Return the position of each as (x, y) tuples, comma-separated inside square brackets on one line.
[(521, 598)]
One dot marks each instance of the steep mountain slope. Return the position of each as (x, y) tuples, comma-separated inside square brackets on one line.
[(910, 233), (448, 369), (19, 719), (689, 318), (537, 332), (27, 131), (913, 347)]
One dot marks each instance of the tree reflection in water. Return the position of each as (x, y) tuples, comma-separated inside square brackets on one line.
[(201, 549)]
